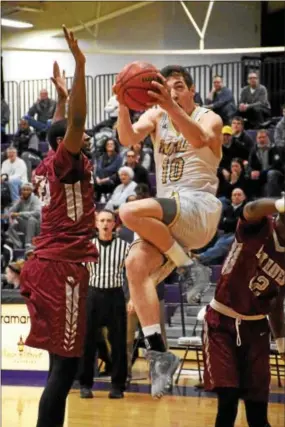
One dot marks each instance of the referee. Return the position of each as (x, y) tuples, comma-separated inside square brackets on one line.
[(106, 306)]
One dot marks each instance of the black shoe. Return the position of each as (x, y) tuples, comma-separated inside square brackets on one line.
[(116, 393), (86, 393)]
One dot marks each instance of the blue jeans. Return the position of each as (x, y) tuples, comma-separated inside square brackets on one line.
[(41, 126), (219, 250), (15, 187)]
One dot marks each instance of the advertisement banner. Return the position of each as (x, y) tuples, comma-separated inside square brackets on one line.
[(15, 327)]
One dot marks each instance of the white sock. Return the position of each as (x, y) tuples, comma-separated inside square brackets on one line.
[(151, 330), (178, 256)]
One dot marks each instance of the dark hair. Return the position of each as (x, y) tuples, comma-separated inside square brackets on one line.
[(238, 119), (169, 70), (115, 141), (57, 130), (239, 161), (142, 191)]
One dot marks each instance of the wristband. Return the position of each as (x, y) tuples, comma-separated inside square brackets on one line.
[(280, 344), (280, 205)]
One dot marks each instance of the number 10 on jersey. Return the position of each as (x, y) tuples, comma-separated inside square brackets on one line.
[(172, 170)]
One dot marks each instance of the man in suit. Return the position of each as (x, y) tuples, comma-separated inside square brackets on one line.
[(254, 104), (266, 163)]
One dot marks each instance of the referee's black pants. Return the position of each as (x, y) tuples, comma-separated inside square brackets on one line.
[(105, 307)]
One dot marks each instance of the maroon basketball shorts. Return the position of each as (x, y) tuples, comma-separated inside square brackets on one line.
[(245, 367), (55, 293)]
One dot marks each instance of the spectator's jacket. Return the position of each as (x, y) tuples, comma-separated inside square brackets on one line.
[(28, 208), (244, 141), (44, 109), (26, 140), (258, 97), (279, 134), (276, 159), (108, 166), (230, 217), (223, 103), (236, 149), (5, 113)]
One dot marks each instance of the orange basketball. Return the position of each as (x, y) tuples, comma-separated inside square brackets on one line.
[(133, 83)]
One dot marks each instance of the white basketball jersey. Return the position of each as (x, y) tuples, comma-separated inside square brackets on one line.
[(180, 167)]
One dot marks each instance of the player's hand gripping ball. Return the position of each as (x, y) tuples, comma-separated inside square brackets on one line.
[(133, 83)]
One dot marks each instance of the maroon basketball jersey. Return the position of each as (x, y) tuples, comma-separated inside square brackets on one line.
[(253, 270), (65, 188)]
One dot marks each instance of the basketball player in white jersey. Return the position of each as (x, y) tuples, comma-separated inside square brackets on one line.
[(185, 214)]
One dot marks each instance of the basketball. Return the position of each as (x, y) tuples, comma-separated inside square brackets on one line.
[(133, 83)]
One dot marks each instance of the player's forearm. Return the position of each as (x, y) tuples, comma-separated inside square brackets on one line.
[(190, 129), (59, 113), (126, 133), (77, 104), (255, 211)]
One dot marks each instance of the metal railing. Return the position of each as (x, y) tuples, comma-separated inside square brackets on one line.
[(21, 96)]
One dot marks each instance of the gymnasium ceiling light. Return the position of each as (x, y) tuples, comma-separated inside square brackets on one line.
[(15, 24)]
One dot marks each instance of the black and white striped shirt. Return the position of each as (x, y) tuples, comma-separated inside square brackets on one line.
[(108, 273)]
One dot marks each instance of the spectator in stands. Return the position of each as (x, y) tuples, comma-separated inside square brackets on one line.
[(279, 133), (234, 179), (16, 170), (221, 100), (254, 104), (25, 217), (123, 190), (143, 157), (266, 163), (240, 136), (198, 100), (27, 143), (6, 199), (13, 272), (141, 174), (5, 117), (226, 232), (231, 149), (44, 109), (107, 167)]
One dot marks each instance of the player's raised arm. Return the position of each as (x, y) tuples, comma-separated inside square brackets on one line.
[(258, 209), (130, 134), (59, 82), (77, 104)]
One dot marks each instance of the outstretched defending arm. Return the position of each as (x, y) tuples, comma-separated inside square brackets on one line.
[(62, 94), (77, 104), (255, 211)]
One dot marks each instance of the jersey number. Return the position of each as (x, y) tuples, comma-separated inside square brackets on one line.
[(258, 284), (172, 170)]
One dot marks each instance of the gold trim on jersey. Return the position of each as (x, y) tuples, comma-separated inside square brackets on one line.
[(175, 196)]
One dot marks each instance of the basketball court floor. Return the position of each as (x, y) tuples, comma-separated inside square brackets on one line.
[(188, 406)]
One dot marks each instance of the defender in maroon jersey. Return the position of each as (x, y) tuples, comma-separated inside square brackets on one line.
[(55, 281), (236, 335)]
